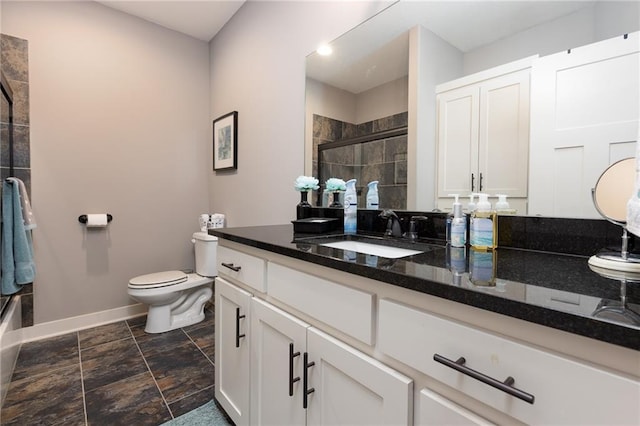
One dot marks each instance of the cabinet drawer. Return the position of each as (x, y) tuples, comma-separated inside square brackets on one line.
[(344, 308), (435, 409), (248, 269), (565, 391)]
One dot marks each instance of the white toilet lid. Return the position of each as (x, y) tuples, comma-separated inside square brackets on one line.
[(158, 279)]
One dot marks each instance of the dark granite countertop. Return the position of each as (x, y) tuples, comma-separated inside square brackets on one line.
[(553, 290)]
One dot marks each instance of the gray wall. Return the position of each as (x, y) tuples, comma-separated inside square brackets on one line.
[(119, 124), (258, 69)]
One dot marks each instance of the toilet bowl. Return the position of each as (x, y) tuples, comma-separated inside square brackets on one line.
[(177, 299)]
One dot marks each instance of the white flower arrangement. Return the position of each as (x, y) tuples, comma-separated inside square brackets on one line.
[(306, 183), (335, 184)]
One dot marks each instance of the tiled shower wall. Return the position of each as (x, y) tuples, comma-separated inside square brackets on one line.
[(384, 160), (14, 60)]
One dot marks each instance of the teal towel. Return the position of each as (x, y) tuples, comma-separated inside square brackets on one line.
[(18, 267)]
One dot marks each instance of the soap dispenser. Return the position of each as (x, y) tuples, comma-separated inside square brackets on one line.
[(502, 205), (458, 225), (472, 205), (483, 231), (373, 201), (350, 208)]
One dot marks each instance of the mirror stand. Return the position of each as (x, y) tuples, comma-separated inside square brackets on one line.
[(618, 311), (610, 259)]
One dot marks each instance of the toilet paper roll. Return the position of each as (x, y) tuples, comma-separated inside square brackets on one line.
[(97, 220)]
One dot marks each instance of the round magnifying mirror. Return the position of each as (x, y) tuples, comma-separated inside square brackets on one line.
[(610, 196), (613, 190)]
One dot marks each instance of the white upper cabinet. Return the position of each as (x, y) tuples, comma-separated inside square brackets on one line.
[(584, 116), (483, 133)]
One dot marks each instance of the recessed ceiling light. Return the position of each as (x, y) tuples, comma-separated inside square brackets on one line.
[(324, 50)]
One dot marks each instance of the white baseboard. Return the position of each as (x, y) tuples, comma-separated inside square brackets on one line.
[(68, 325)]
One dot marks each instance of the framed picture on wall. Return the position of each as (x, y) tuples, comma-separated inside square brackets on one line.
[(225, 142)]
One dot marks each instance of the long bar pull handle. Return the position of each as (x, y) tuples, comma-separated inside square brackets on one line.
[(231, 266), (238, 335), (473, 180), (480, 182), (305, 380), (292, 379), (506, 386)]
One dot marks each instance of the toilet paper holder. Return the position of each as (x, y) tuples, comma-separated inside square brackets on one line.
[(83, 218)]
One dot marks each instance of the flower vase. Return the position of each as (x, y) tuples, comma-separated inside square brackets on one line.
[(336, 200), (303, 209)]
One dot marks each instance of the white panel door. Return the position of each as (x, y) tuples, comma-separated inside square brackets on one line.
[(351, 388), (584, 116), (232, 350), (503, 145), (278, 341), (458, 115)]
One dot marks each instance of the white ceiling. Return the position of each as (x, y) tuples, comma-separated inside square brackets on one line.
[(201, 19), (365, 57)]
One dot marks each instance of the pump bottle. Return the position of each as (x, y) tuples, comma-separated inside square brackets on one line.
[(450, 220), (502, 205), (372, 195), (483, 231), (350, 208), (458, 225), (472, 205)]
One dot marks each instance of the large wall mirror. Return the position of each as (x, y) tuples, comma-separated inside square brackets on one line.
[(531, 99)]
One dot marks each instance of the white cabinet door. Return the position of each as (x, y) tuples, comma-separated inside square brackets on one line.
[(436, 410), (348, 387), (584, 116), (232, 350), (458, 115), (503, 138), (278, 341)]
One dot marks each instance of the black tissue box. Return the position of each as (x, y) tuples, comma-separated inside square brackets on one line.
[(315, 225)]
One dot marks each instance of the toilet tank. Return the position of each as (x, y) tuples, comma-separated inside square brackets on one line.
[(206, 248)]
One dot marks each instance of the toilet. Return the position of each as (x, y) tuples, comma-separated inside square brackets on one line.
[(177, 299)]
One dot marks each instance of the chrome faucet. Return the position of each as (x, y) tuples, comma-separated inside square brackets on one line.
[(412, 234), (394, 229)]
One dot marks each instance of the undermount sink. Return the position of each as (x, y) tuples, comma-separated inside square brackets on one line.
[(373, 249)]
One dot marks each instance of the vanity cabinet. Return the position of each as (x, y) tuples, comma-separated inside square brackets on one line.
[(457, 354), (273, 368), (395, 358), (301, 374), (483, 134)]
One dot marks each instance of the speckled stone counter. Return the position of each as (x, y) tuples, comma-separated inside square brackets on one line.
[(553, 290)]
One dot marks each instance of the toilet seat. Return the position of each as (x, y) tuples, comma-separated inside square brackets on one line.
[(158, 279)]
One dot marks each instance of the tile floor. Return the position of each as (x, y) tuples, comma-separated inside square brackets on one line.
[(113, 374)]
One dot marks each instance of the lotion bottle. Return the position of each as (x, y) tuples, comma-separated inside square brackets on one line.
[(350, 208), (483, 231), (458, 225), (373, 201)]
